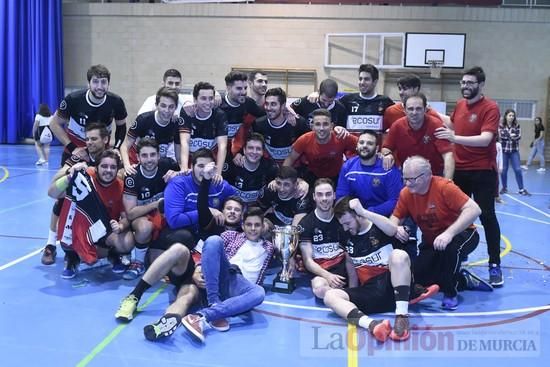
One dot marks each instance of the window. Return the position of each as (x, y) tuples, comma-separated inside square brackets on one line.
[(525, 110)]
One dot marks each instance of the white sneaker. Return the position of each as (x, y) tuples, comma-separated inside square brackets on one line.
[(542, 169), (524, 167), (40, 162)]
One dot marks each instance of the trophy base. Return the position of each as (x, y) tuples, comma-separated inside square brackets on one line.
[(282, 286)]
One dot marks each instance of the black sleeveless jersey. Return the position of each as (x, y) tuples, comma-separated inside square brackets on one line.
[(364, 113), (250, 184)]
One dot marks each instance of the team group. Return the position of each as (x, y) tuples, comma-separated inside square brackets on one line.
[(194, 188)]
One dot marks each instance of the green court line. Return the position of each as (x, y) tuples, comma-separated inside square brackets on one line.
[(105, 342)]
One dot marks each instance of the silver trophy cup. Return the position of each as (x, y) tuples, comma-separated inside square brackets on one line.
[(285, 240)]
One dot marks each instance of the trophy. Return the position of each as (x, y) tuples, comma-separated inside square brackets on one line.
[(285, 240)]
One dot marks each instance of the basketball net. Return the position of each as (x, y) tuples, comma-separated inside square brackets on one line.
[(435, 69)]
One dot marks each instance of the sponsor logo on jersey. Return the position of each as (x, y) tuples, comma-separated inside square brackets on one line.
[(379, 257), (283, 218), (326, 250), (150, 199), (130, 182), (364, 122), (248, 196), (278, 153), (232, 128), (197, 143), (473, 118), (426, 139)]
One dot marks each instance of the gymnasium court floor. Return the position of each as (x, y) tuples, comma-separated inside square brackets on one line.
[(49, 321)]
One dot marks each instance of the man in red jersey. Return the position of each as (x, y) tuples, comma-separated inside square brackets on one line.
[(474, 131)]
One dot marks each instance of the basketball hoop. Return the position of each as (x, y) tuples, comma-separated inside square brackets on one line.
[(435, 68)]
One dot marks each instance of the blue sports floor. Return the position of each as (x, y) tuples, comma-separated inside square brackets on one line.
[(48, 321)]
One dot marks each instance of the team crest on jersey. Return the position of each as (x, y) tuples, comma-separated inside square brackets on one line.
[(63, 105), (374, 241), (216, 202), (301, 204), (225, 167), (473, 118), (426, 139), (134, 125), (130, 182), (317, 231), (376, 182)]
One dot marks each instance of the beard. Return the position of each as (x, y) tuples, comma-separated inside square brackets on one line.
[(473, 92), (366, 154)]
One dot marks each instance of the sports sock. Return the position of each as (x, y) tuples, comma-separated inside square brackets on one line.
[(140, 288), (52, 237), (356, 317), (402, 293), (139, 253)]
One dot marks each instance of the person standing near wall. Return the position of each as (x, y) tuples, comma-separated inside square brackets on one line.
[(537, 147)]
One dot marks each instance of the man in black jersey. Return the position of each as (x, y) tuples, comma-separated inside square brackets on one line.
[(278, 133), (97, 138), (321, 243), (160, 124), (384, 273), (143, 193), (237, 106), (207, 128), (94, 104), (281, 206), (328, 89), (257, 171)]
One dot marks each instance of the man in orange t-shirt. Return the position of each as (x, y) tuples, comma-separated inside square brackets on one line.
[(321, 149), (445, 216)]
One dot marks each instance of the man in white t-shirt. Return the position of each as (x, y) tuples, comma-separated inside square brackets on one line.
[(171, 79)]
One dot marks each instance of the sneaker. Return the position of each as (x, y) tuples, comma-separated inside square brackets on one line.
[(127, 308), (450, 303), (542, 169), (118, 266), (380, 329), (194, 323), (503, 191), (422, 293), (523, 166), (164, 327), (71, 266), (495, 275), (524, 192), (40, 162), (475, 283), (49, 254), (219, 325), (401, 328), (135, 270)]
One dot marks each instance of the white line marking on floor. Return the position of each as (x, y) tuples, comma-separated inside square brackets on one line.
[(522, 217), (529, 206), (423, 314), (22, 258)]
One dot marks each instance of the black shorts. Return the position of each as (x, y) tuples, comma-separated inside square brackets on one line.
[(340, 269), (185, 278), (375, 296)]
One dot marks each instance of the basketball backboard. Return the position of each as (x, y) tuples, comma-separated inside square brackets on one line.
[(422, 49)]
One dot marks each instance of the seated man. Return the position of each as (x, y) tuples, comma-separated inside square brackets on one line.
[(97, 138), (179, 264), (384, 273), (321, 243), (445, 216), (281, 206), (143, 193), (92, 221), (322, 151), (233, 268)]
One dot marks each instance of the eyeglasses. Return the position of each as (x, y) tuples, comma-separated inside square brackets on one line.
[(412, 179), (468, 83)]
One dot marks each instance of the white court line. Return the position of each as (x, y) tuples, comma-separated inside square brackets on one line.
[(541, 193), (37, 169), (22, 258), (529, 206), (424, 314), (2, 211), (522, 217)]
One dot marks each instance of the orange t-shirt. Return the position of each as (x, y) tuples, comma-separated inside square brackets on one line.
[(434, 211)]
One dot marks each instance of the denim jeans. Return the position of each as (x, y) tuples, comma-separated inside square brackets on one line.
[(227, 291), (507, 158), (537, 150)]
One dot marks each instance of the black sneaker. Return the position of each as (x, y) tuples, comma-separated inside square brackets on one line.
[(495, 275), (164, 327), (474, 283)]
